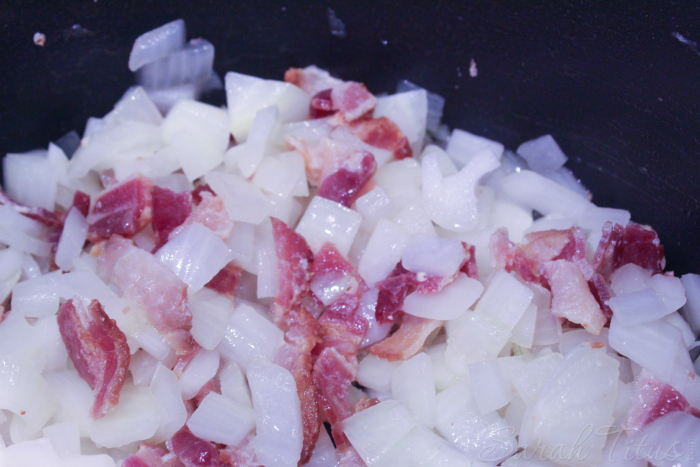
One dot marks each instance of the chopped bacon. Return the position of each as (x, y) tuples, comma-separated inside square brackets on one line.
[(327, 157), (213, 385), (46, 217), (294, 258), (241, 455), (170, 210), (407, 340), (193, 451), (98, 350), (211, 213), (506, 255), (363, 403), (572, 298), (641, 246), (311, 79), (226, 281), (384, 134), (81, 201), (150, 455), (607, 255), (469, 266), (145, 280), (333, 375), (124, 209), (345, 185), (197, 193), (301, 336), (601, 292), (352, 100), (653, 399), (321, 105)]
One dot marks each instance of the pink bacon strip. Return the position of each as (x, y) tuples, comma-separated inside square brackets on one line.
[(124, 209)]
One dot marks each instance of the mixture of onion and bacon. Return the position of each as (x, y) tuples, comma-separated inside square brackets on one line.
[(314, 275)]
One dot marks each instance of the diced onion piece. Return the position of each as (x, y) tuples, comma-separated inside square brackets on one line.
[(691, 310), (472, 337), (243, 200), (157, 43), (221, 420), (542, 154), (433, 256), (172, 413), (30, 179), (64, 437), (413, 384), (376, 373), (436, 103), (513, 218), (195, 255), (52, 343), (234, 385), (73, 237), (324, 454), (629, 278), (385, 248), (328, 221), (670, 290), (638, 307), (192, 64), (282, 174), (20, 344), (263, 132), (488, 385), (35, 298), (524, 330), (29, 396), (142, 367), (278, 420), (536, 192), (422, 446), (210, 314), (134, 105), (409, 110), (464, 146), (449, 303), (375, 430), (245, 95), (249, 336), (670, 440), (198, 372), (505, 299)]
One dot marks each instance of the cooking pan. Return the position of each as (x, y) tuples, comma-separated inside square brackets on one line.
[(615, 83)]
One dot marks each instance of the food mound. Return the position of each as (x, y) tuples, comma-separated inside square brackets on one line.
[(315, 275)]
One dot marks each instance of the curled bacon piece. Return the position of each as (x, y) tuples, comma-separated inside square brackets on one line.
[(352, 101), (145, 280), (170, 210), (98, 350), (641, 246), (345, 185), (226, 281), (384, 134), (193, 451), (407, 340), (211, 213), (124, 209)]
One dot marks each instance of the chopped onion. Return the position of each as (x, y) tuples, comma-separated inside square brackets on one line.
[(198, 371), (449, 303), (30, 179), (413, 384), (172, 413), (243, 200), (210, 314), (638, 307), (157, 43), (192, 64), (35, 298), (433, 256), (72, 239), (464, 146), (542, 154), (328, 221), (488, 385), (385, 248), (64, 437), (691, 310), (506, 299), (409, 110), (221, 420), (249, 336)]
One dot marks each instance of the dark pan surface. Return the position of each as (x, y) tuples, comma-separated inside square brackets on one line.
[(610, 81)]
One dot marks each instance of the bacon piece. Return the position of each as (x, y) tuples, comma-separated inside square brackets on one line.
[(469, 266), (506, 255), (193, 451), (150, 455), (321, 105), (241, 455), (98, 350), (294, 258), (145, 280), (601, 292), (46, 217), (641, 246), (572, 298), (384, 134), (653, 399), (311, 79), (301, 336), (197, 193), (124, 209), (607, 254), (170, 210), (352, 100), (363, 403), (327, 157), (407, 340), (81, 201), (333, 375), (345, 185), (226, 281), (211, 213)]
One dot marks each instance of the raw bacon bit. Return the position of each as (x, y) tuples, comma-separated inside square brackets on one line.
[(197, 193), (345, 185), (572, 298), (407, 340), (46, 217), (506, 255), (81, 201), (384, 134), (333, 375), (124, 209), (311, 79), (352, 100), (193, 451), (241, 455), (294, 258), (226, 281), (211, 213), (321, 105), (148, 455), (469, 266), (170, 210), (607, 254), (641, 246), (301, 336), (98, 349), (363, 403), (143, 279), (601, 292), (654, 399)]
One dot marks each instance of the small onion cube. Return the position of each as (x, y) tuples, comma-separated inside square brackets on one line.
[(638, 307), (64, 437), (449, 303), (198, 371), (328, 221), (385, 248), (190, 65), (72, 239), (172, 413), (157, 43), (488, 386), (542, 154), (433, 256), (413, 384), (221, 420), (243, 200), (464, 146), (210, 314), (505, 299), (250, 336)]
